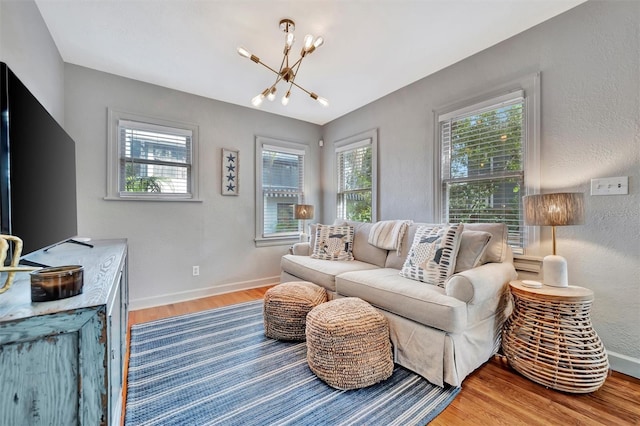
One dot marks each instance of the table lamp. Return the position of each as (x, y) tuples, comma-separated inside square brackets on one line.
[(304, 212), (559, 209)]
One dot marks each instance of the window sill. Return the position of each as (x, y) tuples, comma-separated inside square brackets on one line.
[(277, 241), (163, 199)]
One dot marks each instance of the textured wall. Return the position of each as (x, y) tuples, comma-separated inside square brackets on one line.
[(29, 50), (589, 59), (167, 238)]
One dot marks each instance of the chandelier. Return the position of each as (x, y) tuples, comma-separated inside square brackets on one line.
[(287, 72)]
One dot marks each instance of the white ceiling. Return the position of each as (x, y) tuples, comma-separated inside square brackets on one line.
[(371, 48)]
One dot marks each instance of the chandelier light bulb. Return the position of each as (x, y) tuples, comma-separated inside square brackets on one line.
[(319, 42), (308, 42), (244, 52), (290, 39), (285, 99), (257, 100), (323, 102), (272, 94)]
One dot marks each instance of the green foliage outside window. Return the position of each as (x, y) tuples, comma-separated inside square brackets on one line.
[(486, 167), (354, 197)]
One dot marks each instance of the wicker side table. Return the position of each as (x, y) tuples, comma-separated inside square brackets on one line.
[(549, 338)]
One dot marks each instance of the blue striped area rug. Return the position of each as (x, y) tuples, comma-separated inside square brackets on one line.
[(216, 367)]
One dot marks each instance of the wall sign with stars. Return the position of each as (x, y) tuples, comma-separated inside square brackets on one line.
[(230, 172)]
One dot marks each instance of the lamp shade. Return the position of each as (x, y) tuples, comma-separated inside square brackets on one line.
[(559, 209), (303, 211)]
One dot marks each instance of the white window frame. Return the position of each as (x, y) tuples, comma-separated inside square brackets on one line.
[(369, 137), (261, 239), (529, 87), (113, 158)]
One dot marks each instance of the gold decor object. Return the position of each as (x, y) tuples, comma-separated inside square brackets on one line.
[(287, 71), (348, 344), (559, 209), (549, 338), (13, 268), (286, 307)]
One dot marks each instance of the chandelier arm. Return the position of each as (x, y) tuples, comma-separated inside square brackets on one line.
[(295, 72), (268, 67)]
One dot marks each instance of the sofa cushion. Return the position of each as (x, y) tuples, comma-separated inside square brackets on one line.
[(333, 243), (433, 254), (423, 303), (497, 249), (473, 244), (364, 251), (319, 271)]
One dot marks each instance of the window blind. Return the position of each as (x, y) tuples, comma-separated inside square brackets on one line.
[(154, 159), (282, 188), (354, 197), (483, 164)]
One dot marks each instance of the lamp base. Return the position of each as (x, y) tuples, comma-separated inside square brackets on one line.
[(554, 271), (304, 238)]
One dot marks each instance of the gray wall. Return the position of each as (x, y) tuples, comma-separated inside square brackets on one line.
[(589, 60), (167, 238), (27, 47)]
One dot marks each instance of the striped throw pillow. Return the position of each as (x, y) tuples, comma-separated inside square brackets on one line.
[(432, 256)]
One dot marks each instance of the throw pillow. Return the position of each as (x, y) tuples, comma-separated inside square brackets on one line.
[(432, 256), (473, 244), (333, 243)]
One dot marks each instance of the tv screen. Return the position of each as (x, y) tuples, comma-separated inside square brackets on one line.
[(37, 168)]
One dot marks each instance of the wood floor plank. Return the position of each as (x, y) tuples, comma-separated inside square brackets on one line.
[(495, 394)]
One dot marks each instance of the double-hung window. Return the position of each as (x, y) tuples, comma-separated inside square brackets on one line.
[(484, 150), (279, 187), (152, 159), (356, 177)]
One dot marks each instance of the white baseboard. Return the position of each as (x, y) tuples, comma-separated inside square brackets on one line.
[(183, 296), (624, 364)]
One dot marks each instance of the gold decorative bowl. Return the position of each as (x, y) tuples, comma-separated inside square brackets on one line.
[(57, 282)]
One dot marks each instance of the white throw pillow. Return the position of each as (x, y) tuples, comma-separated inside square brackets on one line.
[(432, 256), (333, 243)]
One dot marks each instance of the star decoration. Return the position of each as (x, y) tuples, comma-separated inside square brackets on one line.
[(230, 187), (231, 168), (230, 177), (231, 158)]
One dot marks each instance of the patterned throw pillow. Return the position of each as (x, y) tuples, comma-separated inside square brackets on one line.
[(333, 243), (432, 256)]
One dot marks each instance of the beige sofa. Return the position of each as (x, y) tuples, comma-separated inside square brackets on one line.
[(442, 334)]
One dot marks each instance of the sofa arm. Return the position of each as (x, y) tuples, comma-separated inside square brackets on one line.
[(476, 285), (301, 249)]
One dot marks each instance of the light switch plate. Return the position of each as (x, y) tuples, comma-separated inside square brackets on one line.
[(610, 186)]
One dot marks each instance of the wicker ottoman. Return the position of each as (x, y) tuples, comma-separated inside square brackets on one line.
[(348, 344), (286, 307)]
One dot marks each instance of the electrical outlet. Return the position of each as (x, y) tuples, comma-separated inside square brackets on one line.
[(196, 271), (610, 186)]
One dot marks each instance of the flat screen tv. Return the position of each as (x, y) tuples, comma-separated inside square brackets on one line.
[(37, 170)]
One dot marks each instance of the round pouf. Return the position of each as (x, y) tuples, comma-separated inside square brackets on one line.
[(348, 344), (286, 307)]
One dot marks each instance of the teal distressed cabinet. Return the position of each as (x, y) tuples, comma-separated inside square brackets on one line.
[(61, 362)]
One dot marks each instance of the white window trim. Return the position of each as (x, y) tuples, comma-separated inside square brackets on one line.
[(369, 137), (278, 145), (529, 85), (113, 158)]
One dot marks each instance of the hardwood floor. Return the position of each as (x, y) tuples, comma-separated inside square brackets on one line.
[(493, 395)]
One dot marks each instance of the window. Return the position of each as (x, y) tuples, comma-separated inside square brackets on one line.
[(356, 174), (279, 186), (152, 159), (487, 153)]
